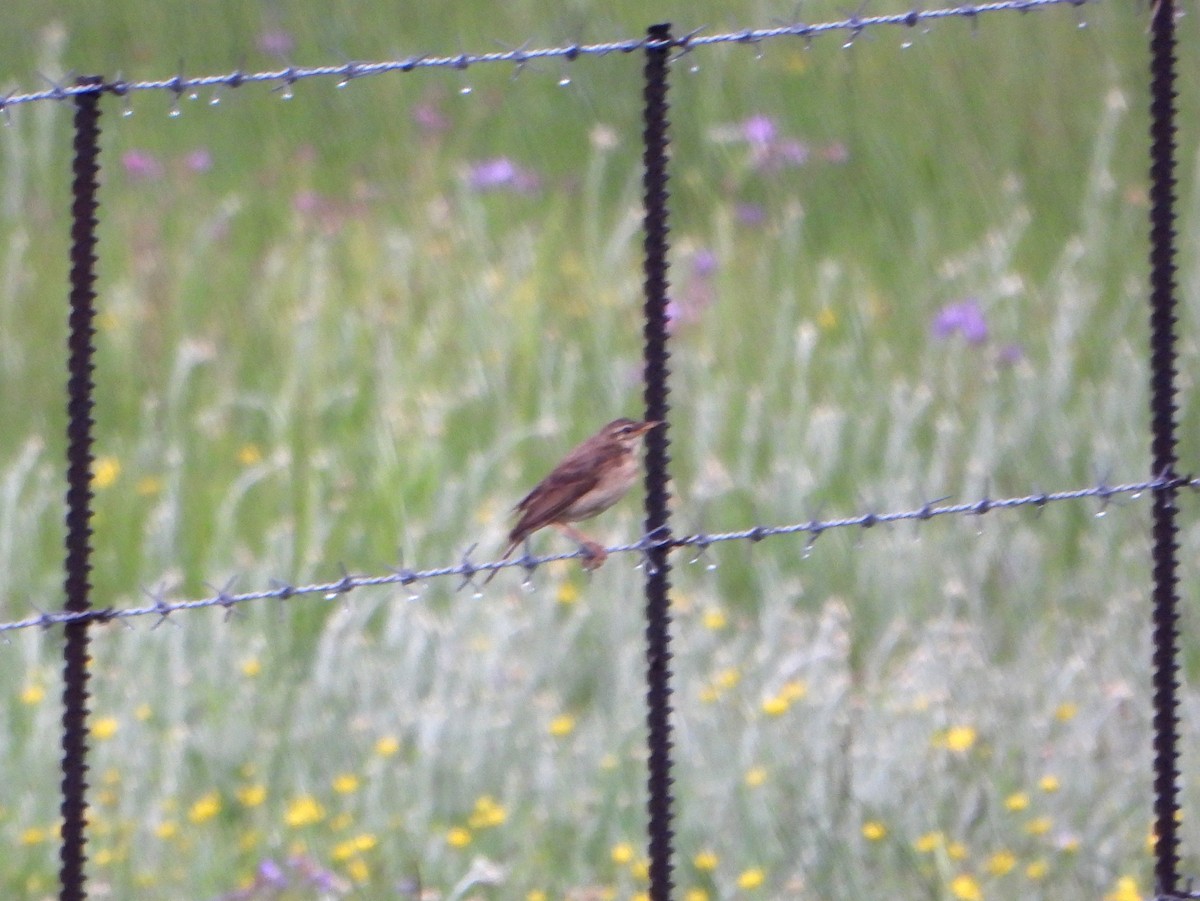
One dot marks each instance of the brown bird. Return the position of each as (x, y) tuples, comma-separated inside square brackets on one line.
[(589, 480)]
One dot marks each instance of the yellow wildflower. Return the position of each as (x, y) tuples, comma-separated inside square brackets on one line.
[(105, 471), (960, 739), (249, 454), (1001, 863), (387, 745), (928, 842), (751, 879), (1016, 801), (1126, 889), (251, 795), (32, 693), (303, 811), (205, 808), (727, 678), (365, 841), (1039, 825), (487, 813), (965, 888), (874, 831), (148, 486), (358, 870), (775, 705), (167, 829), (795, 690)]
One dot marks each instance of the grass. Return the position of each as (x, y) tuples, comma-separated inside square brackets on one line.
[(323, 347)]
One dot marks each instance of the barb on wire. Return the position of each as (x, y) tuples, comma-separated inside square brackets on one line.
[(284, 79), (408, 577)]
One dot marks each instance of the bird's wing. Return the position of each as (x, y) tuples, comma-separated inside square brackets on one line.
[(574, 477)]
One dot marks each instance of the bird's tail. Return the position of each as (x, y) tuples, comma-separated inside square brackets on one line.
[(508, 553)]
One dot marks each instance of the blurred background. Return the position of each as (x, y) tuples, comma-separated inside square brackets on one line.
[(351, 326)]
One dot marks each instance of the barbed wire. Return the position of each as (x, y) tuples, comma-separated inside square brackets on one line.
[(467, 569), (346, 72)]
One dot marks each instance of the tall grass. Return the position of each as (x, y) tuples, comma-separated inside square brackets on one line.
[(322, 345)]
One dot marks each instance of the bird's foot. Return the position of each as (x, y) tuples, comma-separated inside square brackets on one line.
[(594, 555)]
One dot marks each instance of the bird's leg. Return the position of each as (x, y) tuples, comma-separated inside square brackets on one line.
[(594, 552), (512, 547)]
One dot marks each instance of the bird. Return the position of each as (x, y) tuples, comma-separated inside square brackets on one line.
[(590, 478)]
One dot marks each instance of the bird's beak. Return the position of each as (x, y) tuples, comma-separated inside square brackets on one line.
[(648, 425)]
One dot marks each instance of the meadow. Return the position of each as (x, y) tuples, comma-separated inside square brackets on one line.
[(350, 327)]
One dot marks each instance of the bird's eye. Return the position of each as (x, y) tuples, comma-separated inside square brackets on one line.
[(626, 429)]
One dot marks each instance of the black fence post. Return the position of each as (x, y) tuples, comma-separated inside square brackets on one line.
[(1163, 354), (658, 614), (72, 880)]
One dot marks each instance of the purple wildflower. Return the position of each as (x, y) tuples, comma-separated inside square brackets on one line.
[(674, 316), (759, 130), (704, 263), (695, 294), (965, 317), (791, 152), (199, 160), (276, 42), (307, 202), (429, 118), (315, 875), (1010, 354), (499, 173), (141, 166), (271, 874), (750, 213)]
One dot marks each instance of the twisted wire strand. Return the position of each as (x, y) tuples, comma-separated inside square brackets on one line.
[(467, 569), (345, 72)]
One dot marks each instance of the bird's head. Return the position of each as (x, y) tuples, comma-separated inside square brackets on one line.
[(627, 432)]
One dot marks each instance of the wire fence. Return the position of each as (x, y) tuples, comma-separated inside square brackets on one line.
[(659, 48), (467, 570), (284, 79)]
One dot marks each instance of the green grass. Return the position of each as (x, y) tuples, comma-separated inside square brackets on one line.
[(327, 350)]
